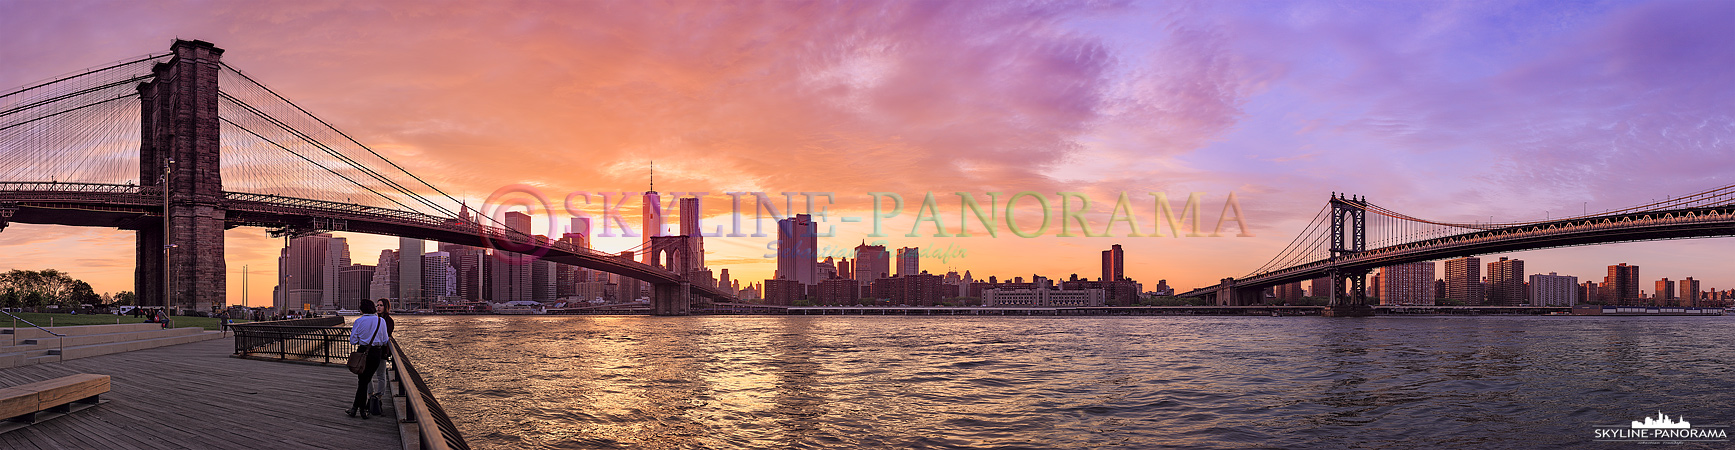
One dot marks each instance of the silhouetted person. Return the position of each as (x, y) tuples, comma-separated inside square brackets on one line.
[(369, 334)]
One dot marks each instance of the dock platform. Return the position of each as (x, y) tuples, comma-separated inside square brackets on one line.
[(194, 396)]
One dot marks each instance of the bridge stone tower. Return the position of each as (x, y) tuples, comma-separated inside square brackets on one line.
[(1348, 235), (673, 253), (179, 135)]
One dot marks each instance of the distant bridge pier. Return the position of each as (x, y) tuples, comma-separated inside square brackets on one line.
[(1348, 236), (179, 158), (671, 299)]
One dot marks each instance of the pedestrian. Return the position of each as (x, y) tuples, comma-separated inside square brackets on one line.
[(369, 334), (381, 387)]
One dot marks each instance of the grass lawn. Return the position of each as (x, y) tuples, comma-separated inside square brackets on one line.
[(63, 320)]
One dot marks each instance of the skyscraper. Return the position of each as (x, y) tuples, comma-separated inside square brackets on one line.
[(579, 232), (385, 280), (1506, 283), (439, 278), (690, 227), (1407, 284), (410, 269), (470, 265), (509, 272), (651, 216), (308, 272), (1113, 264), (909, 261), (872, 262), (798, 249), (1464, 280), (353, 285), (1621, 286)]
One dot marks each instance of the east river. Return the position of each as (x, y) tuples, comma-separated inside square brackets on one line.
[(546, 382)]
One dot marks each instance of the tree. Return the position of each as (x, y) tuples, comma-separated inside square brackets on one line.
[(125, 298), (81, 294), (28, 288)]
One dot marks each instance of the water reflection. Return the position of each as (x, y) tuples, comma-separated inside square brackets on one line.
[(1183, 382)]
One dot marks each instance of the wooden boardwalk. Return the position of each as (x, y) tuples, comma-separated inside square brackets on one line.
[(194, 396)]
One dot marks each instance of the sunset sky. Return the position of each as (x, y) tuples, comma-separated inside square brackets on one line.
[(1453, 111)]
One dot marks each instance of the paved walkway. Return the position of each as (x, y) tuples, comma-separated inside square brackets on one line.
[(194, 396)]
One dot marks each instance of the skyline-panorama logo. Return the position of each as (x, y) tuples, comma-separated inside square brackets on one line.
[(1662, 430)]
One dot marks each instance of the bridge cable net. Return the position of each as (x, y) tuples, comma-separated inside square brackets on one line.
[(81, 127), (1388, 228), (273, 146)]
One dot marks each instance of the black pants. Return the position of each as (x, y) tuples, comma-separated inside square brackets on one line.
[(374, 355)]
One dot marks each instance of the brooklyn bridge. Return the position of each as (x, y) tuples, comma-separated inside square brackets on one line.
[(180, 146), (211, 149)]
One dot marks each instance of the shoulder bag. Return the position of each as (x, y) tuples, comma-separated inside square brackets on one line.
[(358, 358)]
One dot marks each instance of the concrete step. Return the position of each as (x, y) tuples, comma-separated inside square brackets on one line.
[(28, 332), (105, 338), (85, 351)]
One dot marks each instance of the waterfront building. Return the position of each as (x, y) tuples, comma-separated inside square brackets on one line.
[(1464, 280), (1407, 284), (1665, 293), (410, 269), (1115, 293), (1288, 293), (798, 250), (838, 291), (914, 290), (1689, 293), (872, 262), (782, 292), (1621, 286), (1553, 290), (909, 261), (1320, 287), (1038, 297), (1589, 293), (1506, 282), (1113, 264)]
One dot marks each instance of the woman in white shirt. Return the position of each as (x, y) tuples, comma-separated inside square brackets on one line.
[(368, 332)]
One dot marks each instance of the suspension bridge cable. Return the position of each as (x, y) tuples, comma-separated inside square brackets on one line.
[(346, 136)]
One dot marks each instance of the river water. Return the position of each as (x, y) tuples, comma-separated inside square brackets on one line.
[(544, 382)]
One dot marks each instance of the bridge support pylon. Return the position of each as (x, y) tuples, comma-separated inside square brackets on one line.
[(671, 299), (180, 156)]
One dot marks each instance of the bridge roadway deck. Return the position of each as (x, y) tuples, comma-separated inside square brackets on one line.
[(196, 396)]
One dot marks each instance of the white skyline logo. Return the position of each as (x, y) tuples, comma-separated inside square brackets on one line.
[(1662, 421)]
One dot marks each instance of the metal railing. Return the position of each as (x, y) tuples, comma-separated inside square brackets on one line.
[(297, 340), (16, 319), (437, 432)]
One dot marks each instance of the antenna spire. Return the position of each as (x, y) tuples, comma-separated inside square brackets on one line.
[(653, 175)]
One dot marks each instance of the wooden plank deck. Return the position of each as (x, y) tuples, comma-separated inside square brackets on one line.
[(194, 396)]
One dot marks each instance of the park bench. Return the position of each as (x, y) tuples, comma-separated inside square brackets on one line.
[(22, 403)]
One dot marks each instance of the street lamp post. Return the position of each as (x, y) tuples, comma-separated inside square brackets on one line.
[(168, 238)]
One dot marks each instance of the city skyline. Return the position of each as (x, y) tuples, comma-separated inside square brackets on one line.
[(1273, 105)]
